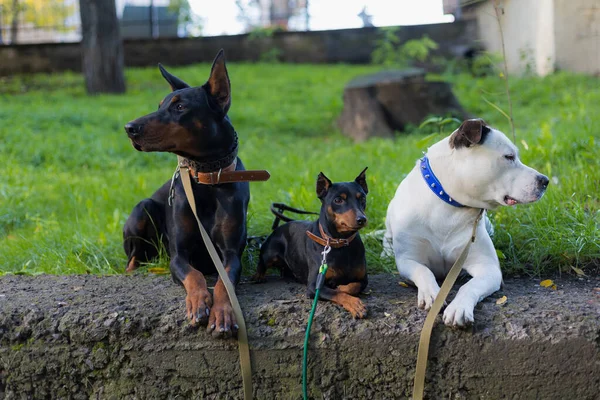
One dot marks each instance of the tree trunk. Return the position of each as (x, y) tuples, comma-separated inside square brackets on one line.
[(102, 49), (14, 26), (383, 103)]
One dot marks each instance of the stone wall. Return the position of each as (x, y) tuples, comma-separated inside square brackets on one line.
[(126, 337), (337, 46)]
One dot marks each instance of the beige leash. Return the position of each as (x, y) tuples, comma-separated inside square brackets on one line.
[(245, 364), (419, 384)]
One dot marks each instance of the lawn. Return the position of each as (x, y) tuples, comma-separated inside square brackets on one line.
[(70, 176)]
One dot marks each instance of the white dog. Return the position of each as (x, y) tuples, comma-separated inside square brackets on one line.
[(430, 218)]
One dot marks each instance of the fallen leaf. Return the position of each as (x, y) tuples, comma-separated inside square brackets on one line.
[(578, 271), (553, 287), (547, 283), (77, 288), (403, 284), (501, 300), (387, 314), (158, 271)]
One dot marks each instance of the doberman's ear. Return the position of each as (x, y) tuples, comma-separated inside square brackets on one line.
[(323, 185), (471, 132), (361, 179), (218, 83), (174, 81)]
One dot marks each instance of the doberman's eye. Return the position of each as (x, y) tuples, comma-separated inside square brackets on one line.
[(510, 157), (338, 200), (180, 107)]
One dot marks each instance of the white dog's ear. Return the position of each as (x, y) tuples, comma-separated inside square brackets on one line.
[(361, 179), (470, 132), (323, 185)]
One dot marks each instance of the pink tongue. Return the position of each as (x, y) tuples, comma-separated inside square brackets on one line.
[(511, 202)]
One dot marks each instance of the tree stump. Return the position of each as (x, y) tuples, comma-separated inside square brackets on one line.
[(383, 103)]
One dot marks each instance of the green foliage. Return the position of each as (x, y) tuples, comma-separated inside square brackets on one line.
[(186, 17), (259, 34), (70, 176), (389, 51)]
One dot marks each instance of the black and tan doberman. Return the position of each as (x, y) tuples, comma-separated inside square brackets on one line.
[(192, 122)]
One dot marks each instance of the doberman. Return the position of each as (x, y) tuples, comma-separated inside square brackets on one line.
[(296, 247), (192, 122)]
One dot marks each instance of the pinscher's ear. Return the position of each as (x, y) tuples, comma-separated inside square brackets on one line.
[(361, 179), (323, 185)]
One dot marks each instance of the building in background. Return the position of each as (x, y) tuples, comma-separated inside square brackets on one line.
[(139, 22), (539, 35)]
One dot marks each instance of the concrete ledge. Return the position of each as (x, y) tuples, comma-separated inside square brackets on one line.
[(124, 337)]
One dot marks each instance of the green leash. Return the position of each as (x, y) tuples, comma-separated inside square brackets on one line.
[(318, 286)]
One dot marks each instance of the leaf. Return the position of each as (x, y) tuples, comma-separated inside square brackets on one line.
[(501, 300), (500, 255), (403, 284), (423, 142), (578, 271), (547, 283), (431, 120), (158, 271)]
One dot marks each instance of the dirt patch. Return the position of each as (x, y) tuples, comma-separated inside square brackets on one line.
[(125, 337)]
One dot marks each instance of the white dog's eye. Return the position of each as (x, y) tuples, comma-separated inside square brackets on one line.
[(510, 157)]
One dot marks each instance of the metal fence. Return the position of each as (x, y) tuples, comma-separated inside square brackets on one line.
[(58, 21)]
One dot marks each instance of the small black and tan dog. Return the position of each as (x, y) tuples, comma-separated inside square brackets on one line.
[(296, 247), (192, 122)]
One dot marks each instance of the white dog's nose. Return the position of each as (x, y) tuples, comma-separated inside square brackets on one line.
[(543, 181)]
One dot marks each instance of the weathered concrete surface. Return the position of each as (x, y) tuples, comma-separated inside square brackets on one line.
[(125, 337)]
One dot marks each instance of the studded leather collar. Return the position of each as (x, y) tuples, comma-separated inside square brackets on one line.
[(434, 184)]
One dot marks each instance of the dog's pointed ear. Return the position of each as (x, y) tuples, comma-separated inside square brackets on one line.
[(323, 185), (218, 85), (469, 133), (361, 179), (174, 81)]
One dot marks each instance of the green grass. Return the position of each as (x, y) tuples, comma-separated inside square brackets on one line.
[(70, 176)]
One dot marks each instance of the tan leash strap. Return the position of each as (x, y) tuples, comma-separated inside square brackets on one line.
[(245, 364), (419, 384)]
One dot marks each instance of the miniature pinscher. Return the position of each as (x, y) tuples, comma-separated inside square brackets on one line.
[(192, 122), (296, 247)]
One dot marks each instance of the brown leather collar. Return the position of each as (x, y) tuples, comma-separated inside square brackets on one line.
[(325, 240), (228, 175)]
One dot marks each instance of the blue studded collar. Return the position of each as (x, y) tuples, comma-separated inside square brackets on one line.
[(434, 184)]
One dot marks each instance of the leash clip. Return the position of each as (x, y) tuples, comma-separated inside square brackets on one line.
[(172, 187), (326, 251)]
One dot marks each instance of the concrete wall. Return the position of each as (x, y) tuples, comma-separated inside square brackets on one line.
[(126, 337), (338, 46), (577, 35), (527, 26), (541, 35)]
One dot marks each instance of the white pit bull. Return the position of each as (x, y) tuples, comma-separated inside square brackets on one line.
[(430, 218)]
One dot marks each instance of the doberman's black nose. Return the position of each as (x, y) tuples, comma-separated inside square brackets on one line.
[(361, 220), (543, 181), (133, 130)]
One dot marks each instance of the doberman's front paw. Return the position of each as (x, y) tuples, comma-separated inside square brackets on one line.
[(222, 322), (355, 307), (197, 304)]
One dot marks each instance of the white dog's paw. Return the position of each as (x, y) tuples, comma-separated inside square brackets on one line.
[(427, 294), (458, 313)]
